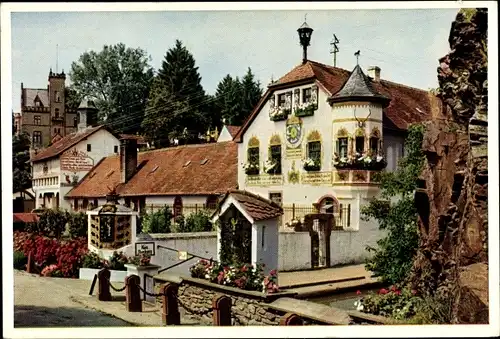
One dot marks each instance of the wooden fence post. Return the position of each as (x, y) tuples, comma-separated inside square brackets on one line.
[(133, 294), (221, 306), (103, 293), (30, 264), (170, 308), (291, 319)]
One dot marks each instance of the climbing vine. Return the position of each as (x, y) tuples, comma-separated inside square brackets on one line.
[(235, 242)]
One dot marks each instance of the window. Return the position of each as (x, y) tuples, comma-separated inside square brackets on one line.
[(306, 95), (37, 102), (115, 149), (374, 145), (85, 204), (107, 229), (89, 147), (37, 120), (56, 112), (57, 96), (342, 147), (253, 155), (281, 99), (276, 158), (37, 138), (75, 122), (360, 144), (314, 150)]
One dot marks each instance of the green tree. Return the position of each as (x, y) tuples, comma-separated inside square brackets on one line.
[(236, 99), (177, 106), (118, 79), (21, 167), (396, 213)]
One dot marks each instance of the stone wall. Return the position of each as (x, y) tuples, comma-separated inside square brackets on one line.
[(248, 307)]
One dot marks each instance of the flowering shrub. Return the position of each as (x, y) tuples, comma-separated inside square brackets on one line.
[(393, 302), (20, 260), (251, 168), (360, 161), (311, 164), (52, 271), (92, 260), (116, 262), (244, 276), (67, 255), (140, 260)]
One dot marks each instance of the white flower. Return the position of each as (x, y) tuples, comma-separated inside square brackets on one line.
[(379, 158), (368, 159), (359, 307), (207, 276)]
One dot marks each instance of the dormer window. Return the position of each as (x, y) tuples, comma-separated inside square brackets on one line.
[(37, 102), (306, 95)]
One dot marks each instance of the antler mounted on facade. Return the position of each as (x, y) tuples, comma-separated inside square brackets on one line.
[(361, 122)]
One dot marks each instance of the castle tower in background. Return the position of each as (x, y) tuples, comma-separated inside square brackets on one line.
[(56, 102)]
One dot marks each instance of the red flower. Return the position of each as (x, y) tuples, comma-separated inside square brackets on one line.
[(220, 277), (398, 292), (273, 272), (244, 268), (393, 288), (413, 292), (383, 291), (358, 292)]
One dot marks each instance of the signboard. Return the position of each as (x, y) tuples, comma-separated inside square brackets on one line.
[(294, 134), (183, 255), (75, 161), (147, 248)]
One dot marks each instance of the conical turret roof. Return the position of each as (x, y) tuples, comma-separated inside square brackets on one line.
[(358, 87)]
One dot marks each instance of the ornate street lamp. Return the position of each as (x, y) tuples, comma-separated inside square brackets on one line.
[(305, 33)]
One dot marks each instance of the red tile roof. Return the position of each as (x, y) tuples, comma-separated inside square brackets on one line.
[(25, 217), (140, 139), (65, 143), (408, 105), (256, 206), (185, 170), (233, 130)]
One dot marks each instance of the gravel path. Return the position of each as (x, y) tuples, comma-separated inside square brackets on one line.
[(47, 302)]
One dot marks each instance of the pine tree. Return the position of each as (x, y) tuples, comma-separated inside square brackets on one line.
[(229, 99), (177, 106), (251, 93)]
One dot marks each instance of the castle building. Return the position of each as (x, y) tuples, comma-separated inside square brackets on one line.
[(45, 114)]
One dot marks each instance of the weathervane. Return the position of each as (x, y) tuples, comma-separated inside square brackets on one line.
[(357, 56)]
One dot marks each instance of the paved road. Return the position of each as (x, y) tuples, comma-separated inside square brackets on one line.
[(47, 302)]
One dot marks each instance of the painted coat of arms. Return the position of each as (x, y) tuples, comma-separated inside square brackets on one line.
[(294, 134)]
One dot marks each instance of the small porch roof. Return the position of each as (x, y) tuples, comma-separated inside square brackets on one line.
[(252, 206)]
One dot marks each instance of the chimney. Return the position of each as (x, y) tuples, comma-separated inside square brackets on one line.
[(128, 158), (374, 73)]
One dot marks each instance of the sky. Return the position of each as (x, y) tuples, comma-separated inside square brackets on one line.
[(405, 43)]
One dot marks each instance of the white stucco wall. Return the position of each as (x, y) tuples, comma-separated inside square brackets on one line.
[(265, 244), (102, 144), (294, 251)]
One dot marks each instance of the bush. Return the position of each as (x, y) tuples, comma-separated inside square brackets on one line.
[(395, 303), (198, 222), (52, 271), (20, 260), (92, 260), (52, 223), (157, 222), (117, 262), (179, 224), (67, 255), (77, 225)]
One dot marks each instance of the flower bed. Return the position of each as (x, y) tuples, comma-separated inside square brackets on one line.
[(393, 302), (245, 276), (51, 256)]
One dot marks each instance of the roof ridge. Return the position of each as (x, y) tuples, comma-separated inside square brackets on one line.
[(403, 85), (256, 196), (165, 149)]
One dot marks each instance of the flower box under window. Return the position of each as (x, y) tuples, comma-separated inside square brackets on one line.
[(311, 165), (279, 114), (360, 162), (305, 110)]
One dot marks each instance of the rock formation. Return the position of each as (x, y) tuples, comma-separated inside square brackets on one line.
[(452, 199)]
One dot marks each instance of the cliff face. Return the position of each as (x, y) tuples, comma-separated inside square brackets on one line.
[(452, 196)]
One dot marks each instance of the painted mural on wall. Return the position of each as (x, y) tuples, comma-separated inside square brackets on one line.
[(294, 134), (75, 161)]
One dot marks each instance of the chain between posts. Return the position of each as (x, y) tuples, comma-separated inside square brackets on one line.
[(150, 294), (116, 289)]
